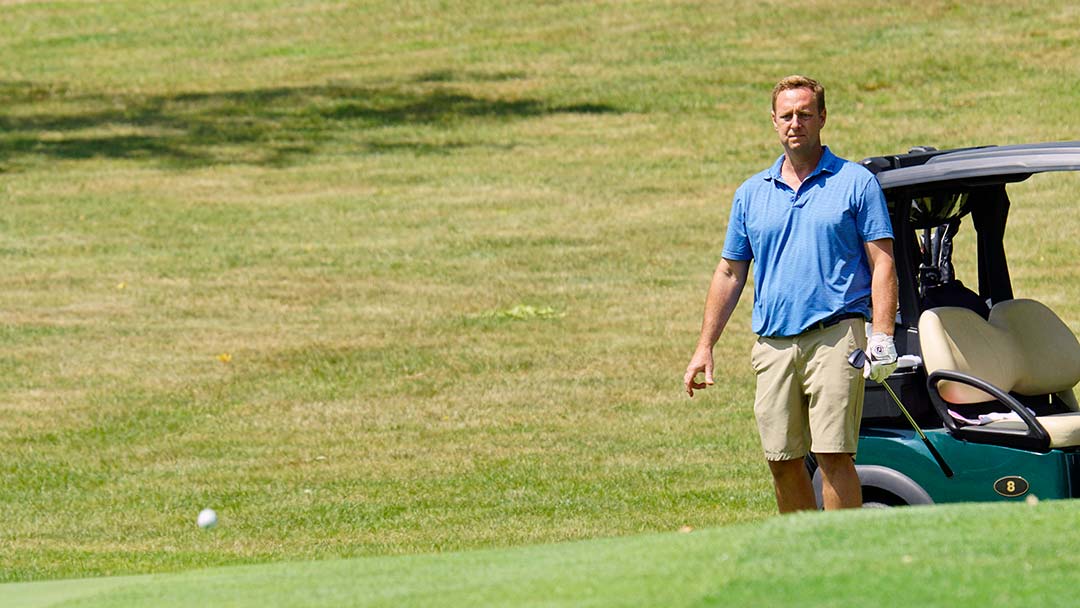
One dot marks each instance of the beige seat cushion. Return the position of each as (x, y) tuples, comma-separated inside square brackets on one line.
[(1064, 429), (1024, 348), (1049, 354), (958, 339)]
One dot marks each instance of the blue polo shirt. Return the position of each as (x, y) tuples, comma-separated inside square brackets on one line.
[(808, 247)]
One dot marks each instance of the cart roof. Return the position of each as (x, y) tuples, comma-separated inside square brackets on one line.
[(1010, 163)]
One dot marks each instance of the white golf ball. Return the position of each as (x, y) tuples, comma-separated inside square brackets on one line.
[(207, 519)]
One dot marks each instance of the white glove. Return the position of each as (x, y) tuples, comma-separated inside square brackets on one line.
[(882, 361)]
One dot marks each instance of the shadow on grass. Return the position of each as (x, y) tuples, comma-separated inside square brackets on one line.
[(272, 126)]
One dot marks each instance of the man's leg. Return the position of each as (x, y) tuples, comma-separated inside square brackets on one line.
[(794, 491), (840, 483), (836, 402), (781, 413)]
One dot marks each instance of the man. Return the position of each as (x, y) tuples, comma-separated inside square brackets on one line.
[(818, 231)]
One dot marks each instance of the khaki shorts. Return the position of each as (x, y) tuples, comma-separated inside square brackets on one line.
[(808, 397)]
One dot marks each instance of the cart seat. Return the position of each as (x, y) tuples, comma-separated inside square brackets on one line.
[(1023, 351), (1063, 429)]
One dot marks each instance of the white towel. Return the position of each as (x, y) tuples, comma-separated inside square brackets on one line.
[(991, 417)]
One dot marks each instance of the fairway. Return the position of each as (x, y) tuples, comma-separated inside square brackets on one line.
[(412, 285), (1009, 555)]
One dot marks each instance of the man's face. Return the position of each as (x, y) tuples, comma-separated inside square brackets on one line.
[(797, 120)]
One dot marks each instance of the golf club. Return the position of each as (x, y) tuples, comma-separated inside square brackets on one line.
[(858, 361)]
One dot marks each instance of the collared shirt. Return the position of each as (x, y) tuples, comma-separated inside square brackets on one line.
[(808, 246)]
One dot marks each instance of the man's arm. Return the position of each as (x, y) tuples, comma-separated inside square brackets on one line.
[(882, 285), (880, 346), (724, 291)]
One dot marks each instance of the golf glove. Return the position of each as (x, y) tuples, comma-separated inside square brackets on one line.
[(882, 353)]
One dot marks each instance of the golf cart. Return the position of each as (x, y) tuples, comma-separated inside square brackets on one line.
[(982, 406)]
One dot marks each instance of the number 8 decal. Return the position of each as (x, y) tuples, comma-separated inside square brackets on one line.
[(1011, 486)]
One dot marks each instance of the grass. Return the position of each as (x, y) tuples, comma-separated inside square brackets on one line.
[(388, 278), (968, 555)]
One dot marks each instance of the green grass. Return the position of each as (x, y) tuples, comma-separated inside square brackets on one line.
[(385, 278), (968, 555)]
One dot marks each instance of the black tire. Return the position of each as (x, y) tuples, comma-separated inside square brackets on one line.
[(879, 498)]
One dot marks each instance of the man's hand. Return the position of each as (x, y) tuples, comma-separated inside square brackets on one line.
[(727, 284), (882, 353), (701, 362)]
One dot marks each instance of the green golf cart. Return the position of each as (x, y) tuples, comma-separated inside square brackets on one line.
[(986, 375)]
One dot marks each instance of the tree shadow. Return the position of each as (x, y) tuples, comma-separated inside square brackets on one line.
[(268, 127)]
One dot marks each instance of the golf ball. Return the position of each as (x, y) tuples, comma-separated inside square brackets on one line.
[(207, 519)]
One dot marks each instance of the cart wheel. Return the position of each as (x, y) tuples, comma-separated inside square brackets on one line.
[(879, 498), (875, 505)]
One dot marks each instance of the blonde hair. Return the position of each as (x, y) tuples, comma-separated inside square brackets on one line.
[(796, 81)]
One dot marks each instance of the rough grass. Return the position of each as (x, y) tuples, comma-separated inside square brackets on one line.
[(273, 258)]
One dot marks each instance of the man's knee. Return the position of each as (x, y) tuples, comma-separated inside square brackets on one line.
[(835, 461), (786, 469)]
